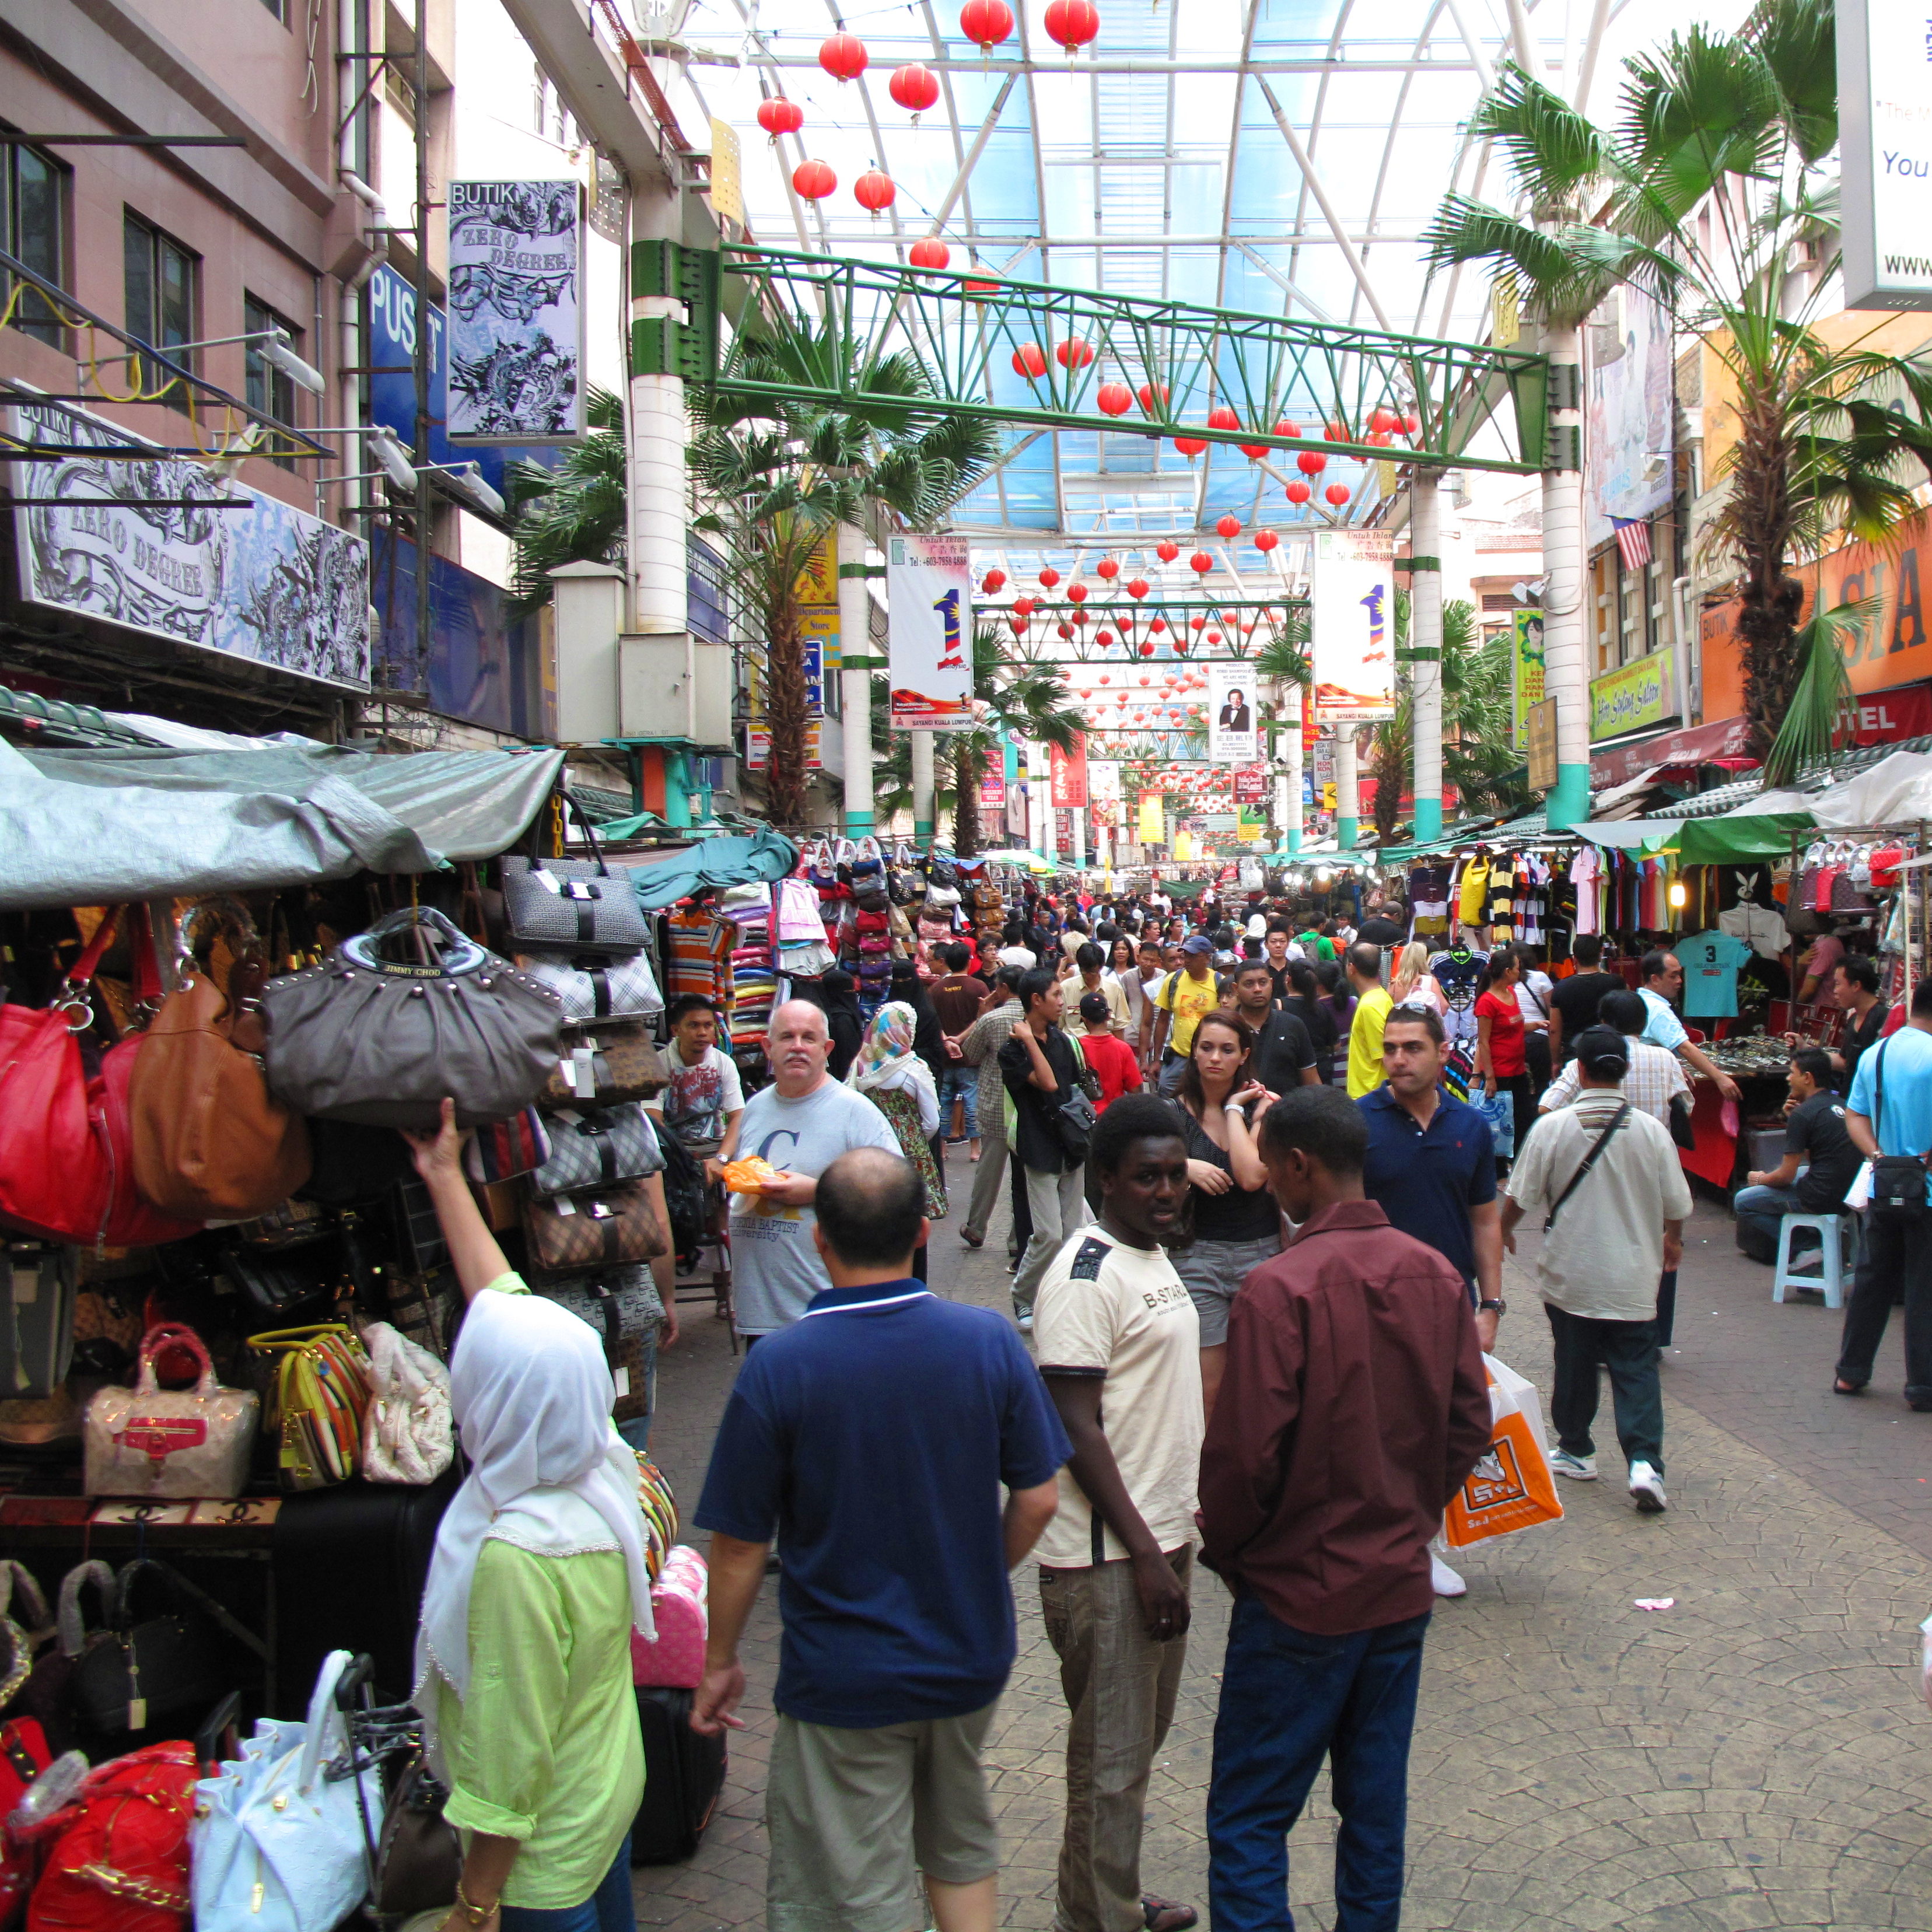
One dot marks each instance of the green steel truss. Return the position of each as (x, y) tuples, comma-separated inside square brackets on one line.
[(1211, 628), (964, 328)]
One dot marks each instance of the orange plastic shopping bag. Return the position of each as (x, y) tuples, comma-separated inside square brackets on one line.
[(1511, 1488)]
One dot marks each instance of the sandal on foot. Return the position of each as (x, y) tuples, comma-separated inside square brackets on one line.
[(1840, 1386), (1162, 1915), (972, 1240)]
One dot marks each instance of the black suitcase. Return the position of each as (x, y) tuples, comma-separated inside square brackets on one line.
[(684, 1772)]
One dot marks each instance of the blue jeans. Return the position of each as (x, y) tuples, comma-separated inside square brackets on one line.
[(608, 1909), (1763, 1209), (1288, 1698), (960, 1082)]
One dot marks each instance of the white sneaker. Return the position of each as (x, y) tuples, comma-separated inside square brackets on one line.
[(1646, 1489), (1446, 1582), (1025, 1320), (1578, 1468)]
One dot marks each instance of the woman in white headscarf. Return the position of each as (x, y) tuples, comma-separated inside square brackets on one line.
[(899, 1084), (524, 1652)]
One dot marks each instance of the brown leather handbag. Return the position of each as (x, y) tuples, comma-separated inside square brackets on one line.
[(596, 1230), (604, 1065), (210, 1143)]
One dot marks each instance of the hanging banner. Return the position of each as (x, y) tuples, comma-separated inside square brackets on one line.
[(1070, 772), (1629, 408), (1103, 792), (929, 598), (993, 794), (1526, 672), (1016, 810), (1351, 612), (1231, 713), (1154, 822), (516, 315), (1251, 784)]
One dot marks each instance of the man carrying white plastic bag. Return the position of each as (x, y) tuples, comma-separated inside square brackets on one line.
[(1511, 1488)]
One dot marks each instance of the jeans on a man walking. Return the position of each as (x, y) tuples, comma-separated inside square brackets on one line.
[(1889, 1255), (1288, 1699), (1628, 1350), (960, 1083), (1120, 1685)]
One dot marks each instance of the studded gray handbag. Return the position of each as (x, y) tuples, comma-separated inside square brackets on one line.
[(403, 1015)]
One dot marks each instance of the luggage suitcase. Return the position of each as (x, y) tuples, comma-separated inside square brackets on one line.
[(683, 1774)]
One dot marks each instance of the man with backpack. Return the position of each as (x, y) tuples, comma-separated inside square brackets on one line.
[(1185, 999)]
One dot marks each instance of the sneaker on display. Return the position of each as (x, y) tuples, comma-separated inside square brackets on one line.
[(1646, 1489), (1445, 1581), (1578, 1468)]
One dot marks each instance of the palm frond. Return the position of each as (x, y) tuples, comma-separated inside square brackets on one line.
[(1797, 40), (1552, 150), (1812, 724)]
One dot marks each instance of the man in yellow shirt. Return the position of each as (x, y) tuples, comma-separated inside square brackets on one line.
[(1363, 963), (1186, 998)]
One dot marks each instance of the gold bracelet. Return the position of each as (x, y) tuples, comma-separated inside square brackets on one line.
[(477, 1915)]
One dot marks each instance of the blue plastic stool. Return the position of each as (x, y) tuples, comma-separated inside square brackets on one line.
[(1838, 1234)]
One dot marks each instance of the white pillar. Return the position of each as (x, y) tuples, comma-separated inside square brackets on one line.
[(1292, 816), (855, 680), (1565, 633), (1039, 800), (1425, 638), (923, 787), (1347, 797)]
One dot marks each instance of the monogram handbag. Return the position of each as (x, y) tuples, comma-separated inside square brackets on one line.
[(595, 1146), (579, 905), (606, 1064), (151, 1441), (623, 1305), (403, 1015), (570, 1233), (594, 988)]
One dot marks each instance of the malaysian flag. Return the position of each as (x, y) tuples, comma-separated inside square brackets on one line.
[(1633, 540)]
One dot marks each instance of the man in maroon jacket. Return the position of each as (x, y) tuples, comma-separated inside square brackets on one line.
[(1353, 1405)]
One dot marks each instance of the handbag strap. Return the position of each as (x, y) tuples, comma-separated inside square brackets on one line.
[(1603, 1140), (174, 1335), (323, 1718), (15, 1574), (573, 805), (70, 1619)]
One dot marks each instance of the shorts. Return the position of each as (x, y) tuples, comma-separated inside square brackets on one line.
[(1212, 1273), (855, 1815)]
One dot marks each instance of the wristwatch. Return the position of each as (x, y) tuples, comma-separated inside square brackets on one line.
[(1498, 1306)]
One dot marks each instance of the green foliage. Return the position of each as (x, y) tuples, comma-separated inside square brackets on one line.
[(574, 514), (1813, 725)]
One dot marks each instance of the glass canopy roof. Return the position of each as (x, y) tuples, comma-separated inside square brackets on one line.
[(1275, 156)]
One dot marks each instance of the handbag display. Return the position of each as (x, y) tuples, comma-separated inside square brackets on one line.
[(164, 1655), (503, 1150), (596, 989), (623, 1306), (319, 1396), (408, 1435), (577, 905), (604, 1065), (209, 1143), (148, 1440), (277, 1846), (379, 1040), (118, 1860), (37, 1334), (597, 1147), (579, 1232)]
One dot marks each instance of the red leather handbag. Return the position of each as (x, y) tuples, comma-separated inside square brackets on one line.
[(24, 1755), (119, 1861)]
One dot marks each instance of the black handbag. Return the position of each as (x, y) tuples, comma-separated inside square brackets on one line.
[(687, 1198), (579, 904), (272, 1284), (1898, 1180), (163, 1654), (1682, 1130), (1075, 1118)]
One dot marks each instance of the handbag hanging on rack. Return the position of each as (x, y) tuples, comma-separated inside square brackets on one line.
[(319, 1396), (605, 1066), (579, 905), (597, 1146), (150, 1441), (600, 1229), (594, 988)]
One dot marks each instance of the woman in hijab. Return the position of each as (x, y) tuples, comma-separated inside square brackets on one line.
[(838, 995), (524, 1653), (892, 1076), (928, 1037)]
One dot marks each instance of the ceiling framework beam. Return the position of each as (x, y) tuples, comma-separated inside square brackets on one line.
[(1131, 63)]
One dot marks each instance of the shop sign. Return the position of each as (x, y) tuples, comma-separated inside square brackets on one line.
[(818, 636), (1539, 731), (1884, 104), (758, 747), (224, 567), (516, 315), (817, 583), (993, 794), (1526, 671), (1351, 617), (1070, 773), (1251, 784), (929, 604), (1231, 713), (1154, 825), (1633, 696), (1727, 738), (1885, 717)]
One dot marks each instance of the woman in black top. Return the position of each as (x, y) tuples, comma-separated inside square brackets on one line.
[(1237, 1224), (838, 995), (1305, 1003)]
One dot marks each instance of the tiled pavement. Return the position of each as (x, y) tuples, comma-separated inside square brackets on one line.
[(1754, 1756)]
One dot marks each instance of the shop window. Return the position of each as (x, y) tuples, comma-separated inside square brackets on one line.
[(271, 390), (34, 189), (160, 276)]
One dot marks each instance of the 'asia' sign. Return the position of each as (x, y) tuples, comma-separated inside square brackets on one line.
[(1885, 137), (929, 605), (516, 313), (1351, 614)]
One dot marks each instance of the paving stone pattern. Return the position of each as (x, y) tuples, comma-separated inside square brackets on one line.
[(1754, 1756)]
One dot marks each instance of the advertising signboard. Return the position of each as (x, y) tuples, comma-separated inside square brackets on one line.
[(929, 596), (1351, 613)]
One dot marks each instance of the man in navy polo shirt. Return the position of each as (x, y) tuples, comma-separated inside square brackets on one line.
[(874, 1435), (1431, 1167)]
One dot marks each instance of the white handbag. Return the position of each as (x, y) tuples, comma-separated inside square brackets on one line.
[(407, 1433), (593, 988), (276, 1847), (148, 1440)]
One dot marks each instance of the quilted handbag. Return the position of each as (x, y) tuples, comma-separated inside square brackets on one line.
[(577, 904), (402, 1015), (119, 1862), (505, 1149), (595, 1147), (319, 1396), (579, 1232), (148, 1440), (676, 1661), (592, 987), (278, 1845), (623, 1306), (604, 1065)]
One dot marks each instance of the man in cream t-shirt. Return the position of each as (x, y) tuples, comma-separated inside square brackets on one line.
[(1118, 1343)]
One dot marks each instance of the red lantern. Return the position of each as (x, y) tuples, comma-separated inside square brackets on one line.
[(1137, 586), (1019, 622), (843, 57), (1297, 493), (1201, 562), (1411, 423), (1066, 630), (1072, 23), (986, 23), (1385, 422), (813, 180), (1024, 605), (1080, 616), (1197, 624), (1103, 638), (1284, 427), (1030, 359), (1167, 550), (1114, 399), (1311, 463), (1078, 592), (780, 116), (1265, 541), (1214, 636), (930, 253), (1253, 450), (915, 88), (993, 582), (1049, 577), (1146, 651), (1222, 417), (1337, 494), (1153, 400), (1190, 446), (873, 191), (1108, 568), (1073, 353), (1335, 432), (980, 288), (1230, 527)]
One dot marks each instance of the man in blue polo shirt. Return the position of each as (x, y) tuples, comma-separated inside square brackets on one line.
[(1432, 1168), (874, 1435)]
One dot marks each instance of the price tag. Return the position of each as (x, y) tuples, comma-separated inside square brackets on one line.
[(547, 880), (564, 1205), (26, 1283), (137, 1714), (621, 1377)]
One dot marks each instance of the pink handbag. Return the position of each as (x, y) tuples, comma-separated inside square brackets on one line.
[(675, 1662)]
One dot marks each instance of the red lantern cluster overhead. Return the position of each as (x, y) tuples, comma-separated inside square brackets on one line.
[(1385, 422), (986, 23), (1049, 577), (993, 582), (813, 180), (1167, 550), (1073, 353), (873, 192), (1072, 24), (1335, 432), (1222, 417), (1297, 493), (1030, 359), (1137, 586), (1078, 592), (1154, 399), (1108, 568), (1311, 463), (1284, 427), (1337, 494), (843, 57), (914, 87), (780, 116), (1190, 446), (1229, 527), (1103, 638), (1265, 541), (930, 253)]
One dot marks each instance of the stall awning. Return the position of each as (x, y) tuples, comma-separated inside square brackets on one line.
[(1699, 744), (104, 826)]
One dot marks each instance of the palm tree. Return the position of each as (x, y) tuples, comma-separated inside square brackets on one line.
[(781, 473), (1705, 191), (573, 514)]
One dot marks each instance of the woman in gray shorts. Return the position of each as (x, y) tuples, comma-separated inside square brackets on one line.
[(1237, 1224)]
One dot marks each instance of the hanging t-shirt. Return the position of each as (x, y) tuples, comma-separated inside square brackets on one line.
[(1471, 901), (1429, 901), (1457, 978), (1711, 962), (1759, 925)]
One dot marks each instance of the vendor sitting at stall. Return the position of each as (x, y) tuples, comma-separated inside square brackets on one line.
[(1814, 1132)]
